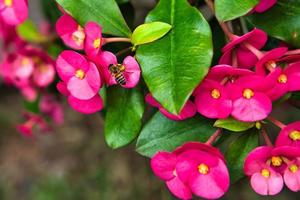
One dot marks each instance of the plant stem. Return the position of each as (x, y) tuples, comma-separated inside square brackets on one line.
[(214, 136), (266, 137), (276, 122), (223, 25), (121, 52), (116, 39), (292, 52), (254, 50)]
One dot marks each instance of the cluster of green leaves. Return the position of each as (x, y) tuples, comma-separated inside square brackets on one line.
[(174, 48)]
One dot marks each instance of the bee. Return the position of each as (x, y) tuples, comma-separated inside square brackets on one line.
[(117, 72)]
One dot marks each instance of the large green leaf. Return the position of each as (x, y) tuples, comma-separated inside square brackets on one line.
[(175, 64), (281, 21), (231, 9), (161, 133), (237, 152), (124, 113), (104, 12)]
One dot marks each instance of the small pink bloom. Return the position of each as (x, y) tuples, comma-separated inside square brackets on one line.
[(81, 76), (23, 67), (292, 175), (13, 12), (264, 5), (89, 106), (51, 107), (289, 135), (236, 52), (212, 100), (205, 172), (126, 74), (44, 74), (250, 103), (93, 39), (29, 92), (268, 61), (163, 165), (188, 111), (70, 32)]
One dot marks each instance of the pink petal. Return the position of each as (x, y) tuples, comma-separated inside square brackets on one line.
[(212, 185), (256, 158), (245, 58), (293, 74), (68, 62), (44, 75), (251, 110), (151, 101), (163, 165), (62, 88), (264, 5), (65, 27), (104, 60), (93, 32), (188, 111), (267, 186), (179, 189), (90, 106), (272, 55), (283, 138), (209, 106), (16, 14), (87, 87)]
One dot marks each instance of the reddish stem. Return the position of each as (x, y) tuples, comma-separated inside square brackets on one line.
[(254, 50), (276, 122), (223, 25), (214, 136), (266, 137), (116, 39), (234, 59), (292, 52)]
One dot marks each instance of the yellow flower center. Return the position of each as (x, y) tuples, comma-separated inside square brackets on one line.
[(248, 94), (215, 93), (8, 3), (276, 161), (174, 172), (203, 169), (294, 135), (78, 36), (282, 78), (43, 68), (293, 168), (80, 74), (25, 61), (265, 173), (97, 43)]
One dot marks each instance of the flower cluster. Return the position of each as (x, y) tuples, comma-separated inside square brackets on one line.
[(13, 12), (84, 75), (247, 80), (194, 168)]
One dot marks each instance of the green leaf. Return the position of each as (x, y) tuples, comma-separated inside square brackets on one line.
[(174, 65), (30, 33), (281, 21), (237, 152), (233, 125), (163, 134), (104, 12), (149, 32), (124, 114), (32, 106), (231, 9)]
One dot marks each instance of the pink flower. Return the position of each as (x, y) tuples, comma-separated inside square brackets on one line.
[(237, 53), (264, 5), (285, 80), (44, 75), (212, 99), (70, 32), (289, 135), (14, 12), (126, 74), (23, 67), (93, 39), (51, 107), (266, 164), (81, 76), (291, 175), (193, 168), (163, 165), (188, 111), (89, 106), (29, 92), (250, 103), (268, 60)]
